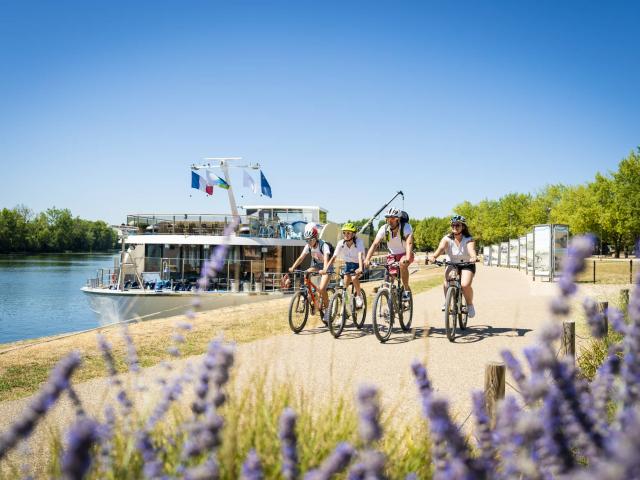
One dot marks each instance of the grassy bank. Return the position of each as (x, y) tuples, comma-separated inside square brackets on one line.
[(25, 365)]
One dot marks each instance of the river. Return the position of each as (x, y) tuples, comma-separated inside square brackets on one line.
[(40, 294)]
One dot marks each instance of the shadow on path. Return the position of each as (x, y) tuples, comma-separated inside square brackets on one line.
[(475, 333)]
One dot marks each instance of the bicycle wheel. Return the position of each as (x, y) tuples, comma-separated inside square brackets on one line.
[(451, 313), (360, 314), (462, 313), (326, 315), (298, 312), (382, 315), (336, 315), (406, 315)]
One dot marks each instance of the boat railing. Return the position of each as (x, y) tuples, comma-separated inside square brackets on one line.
[(188, 224)]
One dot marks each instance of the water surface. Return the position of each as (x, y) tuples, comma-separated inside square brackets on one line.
[(40, 294)]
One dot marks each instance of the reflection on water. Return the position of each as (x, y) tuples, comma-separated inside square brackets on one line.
[(40, 294)]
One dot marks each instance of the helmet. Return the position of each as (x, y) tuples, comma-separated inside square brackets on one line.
[(310, 233), (459, 219), (348, 227), (392, 212)]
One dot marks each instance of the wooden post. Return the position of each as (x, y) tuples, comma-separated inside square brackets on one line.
[(624, 300), (631, 271), (494, 381), (569, 339), (602, 308), (594, 271)]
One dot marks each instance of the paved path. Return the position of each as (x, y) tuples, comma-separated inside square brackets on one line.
[(510, 308)]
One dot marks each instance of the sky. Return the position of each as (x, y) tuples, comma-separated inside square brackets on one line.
[(105, 105)]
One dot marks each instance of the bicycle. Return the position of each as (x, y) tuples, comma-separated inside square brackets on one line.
[(455, 305), (304, 300), (389, 303), (343, 306)]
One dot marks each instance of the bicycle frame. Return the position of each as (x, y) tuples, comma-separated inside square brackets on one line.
[(309, 287)]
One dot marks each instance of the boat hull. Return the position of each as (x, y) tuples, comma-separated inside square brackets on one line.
[(112, 306)]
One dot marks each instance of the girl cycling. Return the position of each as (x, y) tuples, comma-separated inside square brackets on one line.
[(459, 247)]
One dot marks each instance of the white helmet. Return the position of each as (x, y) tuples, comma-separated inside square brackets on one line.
[(392, 212)]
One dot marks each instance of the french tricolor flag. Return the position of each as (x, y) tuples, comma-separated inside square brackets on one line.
[(200, 183)]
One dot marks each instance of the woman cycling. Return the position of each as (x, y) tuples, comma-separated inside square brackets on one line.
[(459, 247), (351, 250)]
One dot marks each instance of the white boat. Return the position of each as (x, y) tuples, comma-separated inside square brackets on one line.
[(160, 263)]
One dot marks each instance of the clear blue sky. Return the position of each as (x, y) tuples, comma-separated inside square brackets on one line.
[(104, 105)]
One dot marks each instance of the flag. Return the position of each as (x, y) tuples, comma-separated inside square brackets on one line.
[(200, 183), (248, 181), (221, 183), (216, 180), (264, 185)]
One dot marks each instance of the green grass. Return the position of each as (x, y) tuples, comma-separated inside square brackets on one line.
[(251, 422), (608, 271)]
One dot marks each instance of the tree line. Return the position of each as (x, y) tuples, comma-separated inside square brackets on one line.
[(52, 231), (608, 207)]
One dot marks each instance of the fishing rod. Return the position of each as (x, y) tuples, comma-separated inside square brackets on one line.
[(370, 221)]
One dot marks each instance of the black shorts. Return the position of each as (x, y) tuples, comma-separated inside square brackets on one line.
[(471, 268)]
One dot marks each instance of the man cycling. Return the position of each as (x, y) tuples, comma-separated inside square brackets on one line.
[(459, 246), (320, 253), (400, 245), (351, 250)]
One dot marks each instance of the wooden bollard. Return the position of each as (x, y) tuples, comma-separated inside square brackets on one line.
[(602, 308), (569, 339), (494, 380), (624, 300)]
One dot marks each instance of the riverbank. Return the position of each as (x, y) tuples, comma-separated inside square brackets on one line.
[(25, 365)]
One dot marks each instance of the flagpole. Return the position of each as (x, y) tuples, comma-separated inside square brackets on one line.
[(232, 198)]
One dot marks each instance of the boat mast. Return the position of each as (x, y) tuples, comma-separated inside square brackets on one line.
[(224, 163)]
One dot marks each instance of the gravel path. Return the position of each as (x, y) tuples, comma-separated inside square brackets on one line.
[(510, 309)]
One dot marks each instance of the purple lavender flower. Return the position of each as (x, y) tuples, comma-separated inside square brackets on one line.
[(370, 429), (110, 363), (370, 466), (595, 318), (44, 400), (423, 383), (209, 470), (75, 400), (105, 437), (252, 468), (334, 464), (556, 448), (132, 352), (289, 444), (76, 459), (484, 433)]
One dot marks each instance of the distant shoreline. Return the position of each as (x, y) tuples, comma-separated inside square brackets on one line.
[(20, 254)]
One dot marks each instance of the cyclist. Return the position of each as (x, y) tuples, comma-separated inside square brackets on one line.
[(351, 250), (320, 254), (459, 247), (399, 238)]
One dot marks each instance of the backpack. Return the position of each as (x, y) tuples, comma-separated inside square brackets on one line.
[(321, 247), (404, 219)]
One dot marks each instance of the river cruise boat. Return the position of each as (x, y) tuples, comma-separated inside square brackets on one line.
[(158, 268)]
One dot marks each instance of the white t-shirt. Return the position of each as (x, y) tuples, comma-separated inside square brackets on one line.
[(316, 254), (349, 254), (458, 253), (395, 244)]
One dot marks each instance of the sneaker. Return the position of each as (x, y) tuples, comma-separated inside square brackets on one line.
[(443, 307), (471, 312), (359, 301), (406, 295)]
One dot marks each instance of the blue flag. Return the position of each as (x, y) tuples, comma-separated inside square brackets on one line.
[(264, 185)]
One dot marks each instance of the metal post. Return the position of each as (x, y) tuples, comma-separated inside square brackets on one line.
[(494, 386), (631, 271), (594, 271)]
